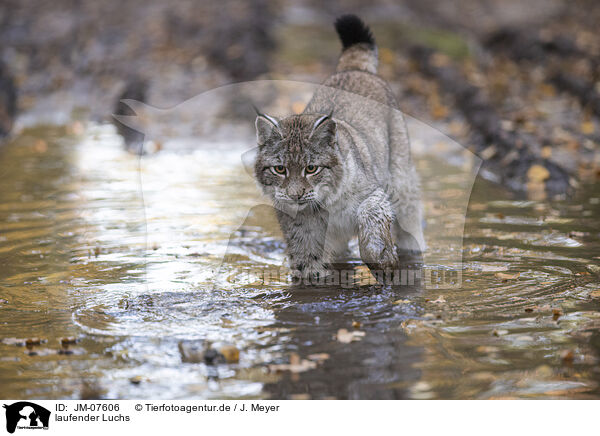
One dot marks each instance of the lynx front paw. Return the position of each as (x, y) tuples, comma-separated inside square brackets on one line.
[(309, 272)]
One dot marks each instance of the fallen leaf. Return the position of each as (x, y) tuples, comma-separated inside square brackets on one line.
[(587, 128), (296, 365), (439, 300), (546, 152), (356, 324), (68, 340), (32, 341), (40, 146), (556, 313), (499, 332), (387, 56), (318, 357), (345, 337), (507, 276), (568, 357), (486, 349), (537, 173), (136, 380)]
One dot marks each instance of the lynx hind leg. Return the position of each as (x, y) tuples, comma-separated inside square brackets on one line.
[(375, 221)]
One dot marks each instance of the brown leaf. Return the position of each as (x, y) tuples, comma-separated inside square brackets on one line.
[(537, 173), (136, 380), (556, 313), (499, 332), (68, 341), (568, 357)]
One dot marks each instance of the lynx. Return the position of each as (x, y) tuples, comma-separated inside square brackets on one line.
[(343, 167)]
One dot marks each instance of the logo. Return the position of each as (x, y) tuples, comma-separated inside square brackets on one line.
[(26, 415)]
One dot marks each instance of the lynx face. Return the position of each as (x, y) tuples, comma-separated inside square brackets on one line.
[(298, 163)]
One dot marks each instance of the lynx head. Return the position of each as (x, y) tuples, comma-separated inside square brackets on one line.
[(298, 162)]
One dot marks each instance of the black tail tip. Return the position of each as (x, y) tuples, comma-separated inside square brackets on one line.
[(352, 30)]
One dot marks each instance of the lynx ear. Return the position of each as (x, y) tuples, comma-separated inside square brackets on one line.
[(324, 129), (265, 127)]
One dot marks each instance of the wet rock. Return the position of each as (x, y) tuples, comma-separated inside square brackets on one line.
[(213, 357), (231, 353)]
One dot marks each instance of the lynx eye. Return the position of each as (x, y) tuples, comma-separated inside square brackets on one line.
[(278, 169), (311, 169)]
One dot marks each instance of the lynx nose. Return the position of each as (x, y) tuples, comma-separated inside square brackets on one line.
[(296, 194)]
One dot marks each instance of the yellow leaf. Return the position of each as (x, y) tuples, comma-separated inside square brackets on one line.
[(546, 152), (587, 128), (507, 276), (386, 56), (538, 173)]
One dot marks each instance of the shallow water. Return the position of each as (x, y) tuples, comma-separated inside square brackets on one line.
[(131, 257)]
